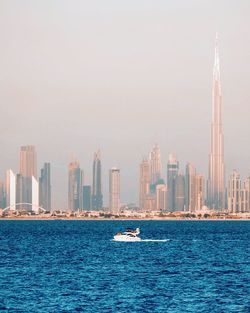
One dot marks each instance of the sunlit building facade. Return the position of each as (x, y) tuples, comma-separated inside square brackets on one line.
[(234, 193), (114, 190), (161, 197), (200, 192), (216, 185), (28, 161), (245, 196), (10, 190), (35, 195)]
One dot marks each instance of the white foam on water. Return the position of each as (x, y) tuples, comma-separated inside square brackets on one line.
[(143, 240)]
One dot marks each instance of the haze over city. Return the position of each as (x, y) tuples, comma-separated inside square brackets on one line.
[(121, 77)]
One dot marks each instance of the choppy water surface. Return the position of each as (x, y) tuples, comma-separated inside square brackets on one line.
[(74, 266)]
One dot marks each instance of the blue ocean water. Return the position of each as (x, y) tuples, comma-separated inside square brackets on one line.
[(74, 266)]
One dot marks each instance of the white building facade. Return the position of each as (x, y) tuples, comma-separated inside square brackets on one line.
[(114, 190), (10, 190)]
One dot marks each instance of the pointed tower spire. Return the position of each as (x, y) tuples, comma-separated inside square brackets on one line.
[(216, 188), (97, 197), (216, 60)]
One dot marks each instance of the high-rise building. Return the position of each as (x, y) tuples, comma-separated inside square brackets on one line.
[(245, 196), (144, 184), (114, 190), (172, 172), (75, 186), (20, 196), (86, 195), (45, 187), (151, 202), (25, 183), (190, 186), (35, 194), (2, 195), (161, 197), (155, 165), (234, 193), (180, 192), (97, 196), (200, 192), (10, 190), (28, 161), (26, 186), (216, 187)]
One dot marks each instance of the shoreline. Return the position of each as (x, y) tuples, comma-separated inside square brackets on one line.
[(32, 218)]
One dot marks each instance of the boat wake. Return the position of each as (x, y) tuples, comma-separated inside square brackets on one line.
[(143, 240)]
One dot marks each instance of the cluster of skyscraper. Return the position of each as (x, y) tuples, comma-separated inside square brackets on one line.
[(24, 190), (81, 196), (180, 191), (188, 192)]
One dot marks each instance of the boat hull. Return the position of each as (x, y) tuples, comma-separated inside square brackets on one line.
[(126, 238)]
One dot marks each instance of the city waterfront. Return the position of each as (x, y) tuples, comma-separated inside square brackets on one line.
[(74, 266), (124, 167)]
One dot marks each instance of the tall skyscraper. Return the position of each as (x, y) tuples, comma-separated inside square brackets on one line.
[(155, 165), (234, 193), (75, 186), (114, 190), (180, 192), (20, 192), (144, 184), (190, 186), (35, 194), (27, 193), (245, 196), (200, 192), (172, 172), (45, 187), (28, 161), (86, 195), (216, 187), (97, 197), (161, 197), (2, 195), (26, 185), (10, 190)]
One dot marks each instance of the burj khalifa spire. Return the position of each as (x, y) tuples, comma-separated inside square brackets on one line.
[(216, 187)]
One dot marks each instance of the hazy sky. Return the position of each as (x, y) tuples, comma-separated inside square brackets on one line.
[(76, 76)]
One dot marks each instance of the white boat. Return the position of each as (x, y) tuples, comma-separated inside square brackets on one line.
[(128, 235)]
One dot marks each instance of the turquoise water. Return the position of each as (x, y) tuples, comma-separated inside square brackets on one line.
[(74, 266)]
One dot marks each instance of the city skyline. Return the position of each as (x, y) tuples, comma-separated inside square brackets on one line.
[(150, 85), (181, 193), (124, 156)]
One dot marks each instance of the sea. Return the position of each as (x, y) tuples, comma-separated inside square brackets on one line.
[(75, 266)]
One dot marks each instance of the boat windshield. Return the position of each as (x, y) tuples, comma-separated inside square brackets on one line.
[(130, 230)]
